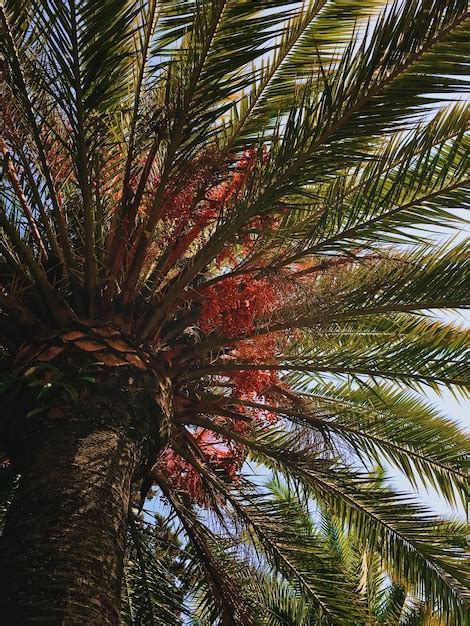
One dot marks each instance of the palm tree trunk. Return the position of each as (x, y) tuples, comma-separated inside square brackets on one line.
[(64, 539)]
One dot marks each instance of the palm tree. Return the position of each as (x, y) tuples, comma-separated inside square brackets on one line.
[(385, 600), (163, 584), (214, 253)]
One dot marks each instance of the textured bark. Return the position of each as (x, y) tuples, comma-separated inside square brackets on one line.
[(64, 539)]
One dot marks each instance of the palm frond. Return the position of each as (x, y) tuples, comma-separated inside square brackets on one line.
[(221, 598), (412, 182), (413, 543), (310, 37), (414, 281), (383, 423), (151, 593)]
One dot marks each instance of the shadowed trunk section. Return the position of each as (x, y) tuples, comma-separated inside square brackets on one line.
[(64, 539)]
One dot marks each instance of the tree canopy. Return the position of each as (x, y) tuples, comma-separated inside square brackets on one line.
[(243, 195)]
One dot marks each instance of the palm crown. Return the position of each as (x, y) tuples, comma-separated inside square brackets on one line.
[(241, 190)]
